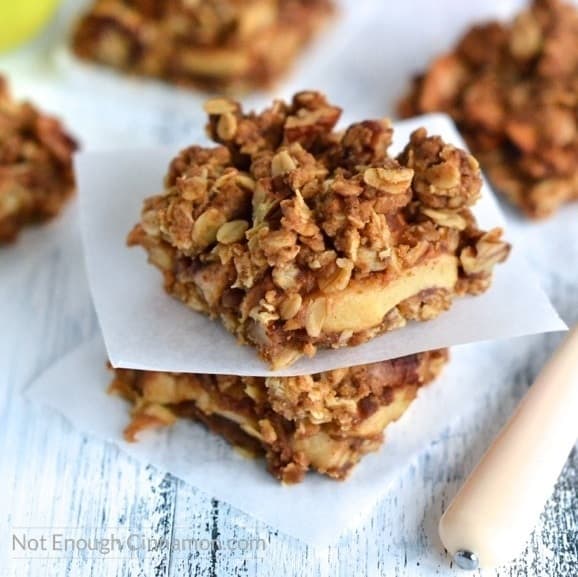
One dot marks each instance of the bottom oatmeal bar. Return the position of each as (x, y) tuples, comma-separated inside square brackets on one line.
[(324, 422), (36, 176)]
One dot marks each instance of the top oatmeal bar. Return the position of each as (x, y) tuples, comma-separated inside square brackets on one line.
[(219, 45), (513, 91), (297, 236)]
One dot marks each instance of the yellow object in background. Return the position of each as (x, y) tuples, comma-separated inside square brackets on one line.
[(21, 20)]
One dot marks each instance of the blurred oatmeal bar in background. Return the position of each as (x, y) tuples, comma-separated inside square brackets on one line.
[(219, 45), (513, 91), (297, 237), (325, 422), (36, 175)]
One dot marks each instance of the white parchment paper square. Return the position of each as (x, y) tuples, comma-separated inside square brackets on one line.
[(145, 328), (318, 510)]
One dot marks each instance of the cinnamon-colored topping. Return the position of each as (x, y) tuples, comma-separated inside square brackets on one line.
[(325, 422), (297, 236), (36, 177), (219, 45), (513, 91)]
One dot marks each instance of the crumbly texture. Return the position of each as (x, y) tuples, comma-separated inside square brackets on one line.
[(220, 45), (513, 91), (297, 236), (325, 422), (36, 176)]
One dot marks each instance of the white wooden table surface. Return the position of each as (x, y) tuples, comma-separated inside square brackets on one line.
[(54, 479)]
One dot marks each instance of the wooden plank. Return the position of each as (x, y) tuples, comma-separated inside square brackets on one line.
[(54, 479)]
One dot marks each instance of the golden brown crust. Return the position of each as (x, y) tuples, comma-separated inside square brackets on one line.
[(220, 45), (300, 237), (513, 91), (36, 177), (324, 422)]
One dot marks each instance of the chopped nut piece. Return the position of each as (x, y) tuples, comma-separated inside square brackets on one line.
[(339, 280), (316, 314), (346, 188), (488, 251), (161, 258), (298, 237), (447, 218), (286, 276), (282, 163), (206, 227), (227, 126), (290, 306), (393, 181), (220, 106), (526, 36), (232, 231), (444, 175), (245, 181)]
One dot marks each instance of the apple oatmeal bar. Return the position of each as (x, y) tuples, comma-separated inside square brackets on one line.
[(36, 176), (219, 45), (513, 91), (325, 422), (297, 236)]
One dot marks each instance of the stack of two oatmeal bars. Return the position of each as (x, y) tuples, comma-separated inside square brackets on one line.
[(298, 237)]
